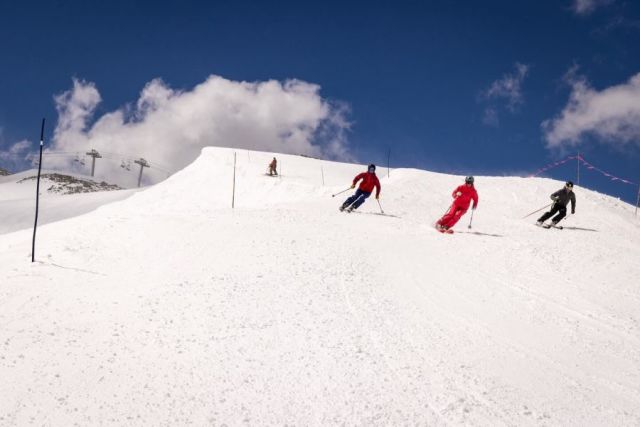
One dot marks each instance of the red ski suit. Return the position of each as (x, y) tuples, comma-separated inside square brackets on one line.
[(460, 205), (369, 182)]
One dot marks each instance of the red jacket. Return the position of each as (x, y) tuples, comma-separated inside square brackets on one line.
[(468, 193), (369, 181)]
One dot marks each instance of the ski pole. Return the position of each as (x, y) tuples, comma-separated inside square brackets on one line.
[(381, 211), (340, 192), (544, 207), (471, 218)]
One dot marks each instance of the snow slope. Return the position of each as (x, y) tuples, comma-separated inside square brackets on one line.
[(170, 308), (17, 201)]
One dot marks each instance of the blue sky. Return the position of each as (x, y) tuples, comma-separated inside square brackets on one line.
[(461, 87)]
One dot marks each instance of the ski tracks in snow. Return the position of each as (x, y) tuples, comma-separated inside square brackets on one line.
[(285, 311)]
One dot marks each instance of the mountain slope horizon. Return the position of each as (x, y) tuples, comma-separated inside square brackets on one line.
[(170, 307)]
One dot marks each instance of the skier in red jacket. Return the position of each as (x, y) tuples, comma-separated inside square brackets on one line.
[(462, 198), (369, 182)]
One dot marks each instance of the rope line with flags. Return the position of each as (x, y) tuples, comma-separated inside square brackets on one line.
[(588, 165)]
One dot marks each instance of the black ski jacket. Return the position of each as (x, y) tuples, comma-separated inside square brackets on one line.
[(563, 197)]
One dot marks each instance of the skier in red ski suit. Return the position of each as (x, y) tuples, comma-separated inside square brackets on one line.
[(462, 198), (369, 182)]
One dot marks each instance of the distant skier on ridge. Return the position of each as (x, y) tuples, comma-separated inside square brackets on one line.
[(272, 167), (462, 199), (560, 200), (369, 182)]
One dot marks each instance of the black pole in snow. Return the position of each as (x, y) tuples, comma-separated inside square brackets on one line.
[(35, 225)]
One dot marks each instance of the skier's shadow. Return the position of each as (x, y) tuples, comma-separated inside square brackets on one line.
[(378, 214), (70, 268), (579, 228), (477, 233)]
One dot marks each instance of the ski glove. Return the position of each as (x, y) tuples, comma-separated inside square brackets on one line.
[(458, 194), (353, 186)]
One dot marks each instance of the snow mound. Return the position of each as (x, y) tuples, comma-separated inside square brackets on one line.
[(169, 307)]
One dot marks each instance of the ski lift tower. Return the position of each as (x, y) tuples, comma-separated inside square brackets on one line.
[(143, 164), (93, 153)]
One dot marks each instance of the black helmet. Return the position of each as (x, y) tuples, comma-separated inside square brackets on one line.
[(469, 180), (569, 184), (371, 168)]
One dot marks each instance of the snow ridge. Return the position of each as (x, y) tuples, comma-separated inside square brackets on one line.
[(169, 307)]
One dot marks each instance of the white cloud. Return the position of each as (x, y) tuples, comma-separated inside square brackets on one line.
[(75, 108), (509, 87), (585, 7), (507, 90), (20, 147), (490, 117), (611, 115), (16, 154), (170, 127)]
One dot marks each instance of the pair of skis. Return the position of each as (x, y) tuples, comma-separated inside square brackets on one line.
[(449, 230), (443, 230), (547, 226)]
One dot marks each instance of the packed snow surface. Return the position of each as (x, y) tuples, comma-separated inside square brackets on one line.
[(171, 308)]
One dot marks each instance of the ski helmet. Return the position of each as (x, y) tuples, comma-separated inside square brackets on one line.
[(468, 180), (371, 168), (569, 184)]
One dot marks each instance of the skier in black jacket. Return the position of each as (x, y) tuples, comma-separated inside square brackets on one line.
[(560, 198)]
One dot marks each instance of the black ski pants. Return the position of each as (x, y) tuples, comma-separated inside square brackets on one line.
[(556, 208)]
